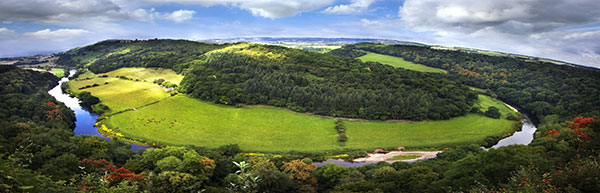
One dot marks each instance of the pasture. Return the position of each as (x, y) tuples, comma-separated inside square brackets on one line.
[(181, 120), (121, 94), (483, 102), (59, 72), (472, 128), (398, 62)]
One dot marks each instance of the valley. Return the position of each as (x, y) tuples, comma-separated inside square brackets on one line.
[(202, 111), (143, 112)]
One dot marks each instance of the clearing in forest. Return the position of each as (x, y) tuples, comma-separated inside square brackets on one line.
[(398, 62)]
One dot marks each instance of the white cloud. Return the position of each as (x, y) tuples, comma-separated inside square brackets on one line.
[(544, 28), (5, 31), (45, 41), (371, 23), (356, 6), (179, 15), (59, 34)]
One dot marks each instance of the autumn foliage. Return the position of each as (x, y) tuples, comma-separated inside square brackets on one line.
[(52, 113), (114, 175), (553, 132), (51, 105), (581, 122), (581, 134), (123, 174)]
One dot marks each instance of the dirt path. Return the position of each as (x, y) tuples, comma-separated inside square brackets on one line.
[(378, 157)]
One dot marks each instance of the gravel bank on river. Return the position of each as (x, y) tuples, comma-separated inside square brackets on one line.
[(378, 157)]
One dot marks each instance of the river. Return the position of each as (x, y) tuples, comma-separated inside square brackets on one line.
[(85, 120)]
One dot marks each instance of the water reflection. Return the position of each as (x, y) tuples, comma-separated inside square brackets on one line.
[(85, 120)]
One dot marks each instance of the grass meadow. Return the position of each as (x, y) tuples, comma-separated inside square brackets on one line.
[(59, 72), (398, 62), (181, 120), (472, 128), (120, 94), (483, 102)]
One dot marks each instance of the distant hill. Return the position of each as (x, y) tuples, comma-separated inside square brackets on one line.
[(308, 40), (309, 43)]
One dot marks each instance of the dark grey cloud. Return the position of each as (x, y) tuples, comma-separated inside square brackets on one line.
[(50, 11), (547, 28), (507, 16), (85, 11)]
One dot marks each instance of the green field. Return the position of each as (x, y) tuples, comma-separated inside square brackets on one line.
[(398, 62), (274, 129), (181, 120), (119, 94), (460, 130), (147, 74), (483, 102), (59, 72)]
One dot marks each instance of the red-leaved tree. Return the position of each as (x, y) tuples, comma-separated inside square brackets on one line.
[(581, 122)]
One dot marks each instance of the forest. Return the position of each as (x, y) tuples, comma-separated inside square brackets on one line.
[(541, 89), (40, 153)]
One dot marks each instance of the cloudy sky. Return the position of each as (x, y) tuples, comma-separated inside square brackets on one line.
[(567, 30)]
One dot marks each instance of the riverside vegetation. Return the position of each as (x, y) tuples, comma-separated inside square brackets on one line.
[(41, 154)]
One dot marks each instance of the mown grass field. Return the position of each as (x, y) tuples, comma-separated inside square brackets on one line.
[(120, 94), (398, 62), (147, 74), (472, 128), (59, 72), (484, 102), (181, 120)]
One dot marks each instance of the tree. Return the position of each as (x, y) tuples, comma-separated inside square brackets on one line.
[(493, 112), (170, 181), (330, 175), (87, 99)]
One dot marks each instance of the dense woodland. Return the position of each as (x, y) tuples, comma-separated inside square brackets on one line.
[(39, 153), (539, 88)]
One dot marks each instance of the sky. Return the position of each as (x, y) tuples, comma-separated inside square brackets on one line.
[(567, 30)]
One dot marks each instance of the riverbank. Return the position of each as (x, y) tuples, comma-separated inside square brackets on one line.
[(85, 120), (379, 157)]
